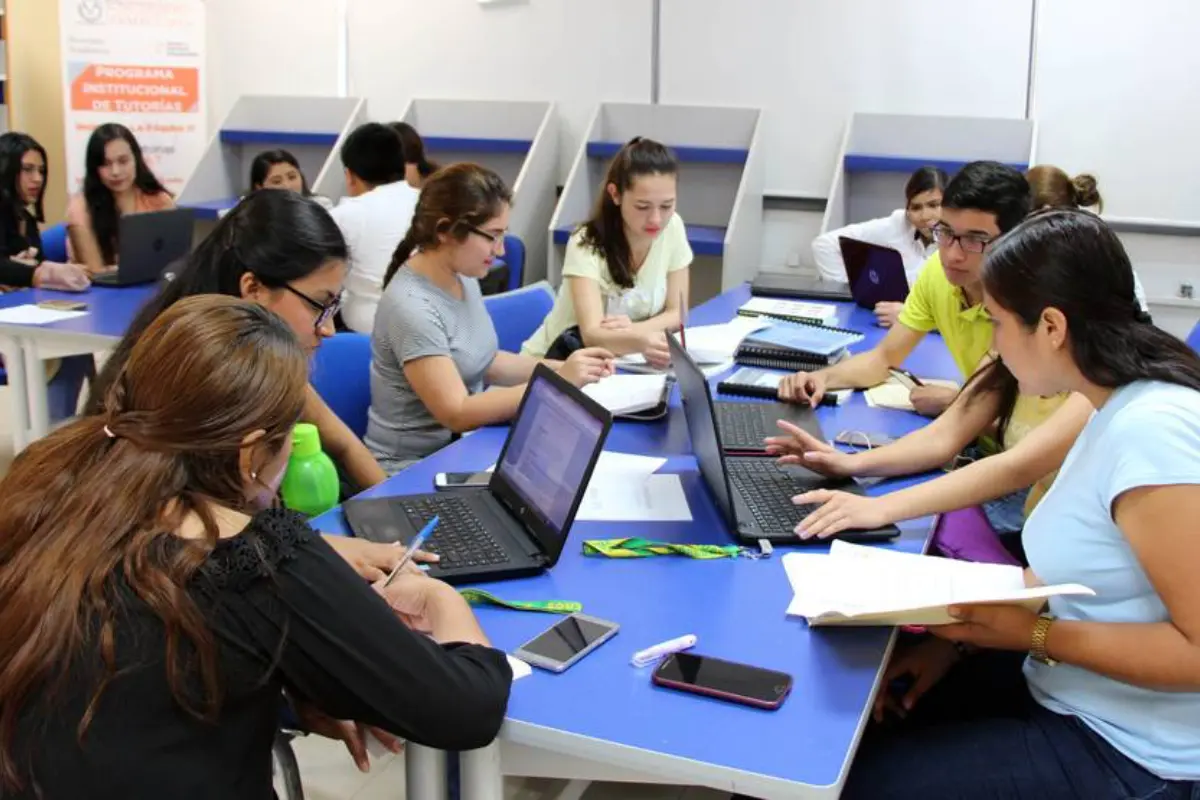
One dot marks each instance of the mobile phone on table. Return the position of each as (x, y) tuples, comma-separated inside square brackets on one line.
[(569, 640), (63, 305), (461, 480), (724, 680), (867, 441)]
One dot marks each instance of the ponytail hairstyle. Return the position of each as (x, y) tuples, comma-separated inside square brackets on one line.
[(278, 237), (453, 201), (1053, 188), (1069, 259), (604, 231), (90, 511), (101, 204), (414, 149)]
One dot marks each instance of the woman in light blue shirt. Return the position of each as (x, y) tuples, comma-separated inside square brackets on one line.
[(1099, 696)]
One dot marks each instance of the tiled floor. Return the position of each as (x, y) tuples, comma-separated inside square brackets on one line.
[(329, 774)]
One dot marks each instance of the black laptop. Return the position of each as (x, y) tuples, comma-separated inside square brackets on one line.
[(802, 287), (754, 495), (517, 526), (148, 243), (745, 425)]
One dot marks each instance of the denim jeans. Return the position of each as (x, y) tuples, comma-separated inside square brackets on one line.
[(979, 734)]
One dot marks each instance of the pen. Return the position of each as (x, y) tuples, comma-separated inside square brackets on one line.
[(915, 380), (413, 546), (682, 319), (643, 658)]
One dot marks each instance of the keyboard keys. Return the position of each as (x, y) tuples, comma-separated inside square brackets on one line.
[(744, 425), (767, 491), (460, 538)]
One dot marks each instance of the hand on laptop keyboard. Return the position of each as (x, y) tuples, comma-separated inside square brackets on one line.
[(836, 511), (795, 445)]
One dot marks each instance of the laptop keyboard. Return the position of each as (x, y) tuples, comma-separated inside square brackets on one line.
[(460, 538), (767, 491), (744, 425)]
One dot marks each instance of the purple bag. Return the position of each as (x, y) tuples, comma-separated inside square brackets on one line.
[(967, 535)]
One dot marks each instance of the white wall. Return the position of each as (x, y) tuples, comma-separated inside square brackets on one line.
[(576, 53), (270, 47)]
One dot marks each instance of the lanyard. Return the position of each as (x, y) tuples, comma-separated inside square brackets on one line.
[(645, 548), (477, 597)]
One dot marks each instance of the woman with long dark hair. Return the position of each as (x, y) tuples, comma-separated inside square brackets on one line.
[(625, 274), (279, 169), (116, 182), (155, 609), (284, 252), (1098, 695), (23, 173)]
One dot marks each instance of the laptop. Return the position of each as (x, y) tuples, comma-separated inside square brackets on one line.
[(754, 495), (149, 242), (744, 425), (517, 526), (875, 272), (803, 287)]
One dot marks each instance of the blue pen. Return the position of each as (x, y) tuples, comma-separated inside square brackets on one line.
[(417, 542)]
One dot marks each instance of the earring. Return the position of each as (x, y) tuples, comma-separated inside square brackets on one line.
[(253, 475)]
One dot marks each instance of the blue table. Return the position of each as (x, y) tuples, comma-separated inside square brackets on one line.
[(603, 719), (25, 347)]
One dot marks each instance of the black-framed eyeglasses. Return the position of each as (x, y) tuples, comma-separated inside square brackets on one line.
[(325, 311), (494, 238), (945, 236)]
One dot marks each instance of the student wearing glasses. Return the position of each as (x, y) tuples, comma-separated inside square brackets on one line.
[(434, 348), (983, 200), (907, 230), (284, 252)]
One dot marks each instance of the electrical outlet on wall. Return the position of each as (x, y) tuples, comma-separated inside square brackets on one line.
[(793, 259)]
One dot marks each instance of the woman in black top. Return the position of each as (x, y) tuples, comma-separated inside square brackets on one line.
[(154, 610), (22, 187)]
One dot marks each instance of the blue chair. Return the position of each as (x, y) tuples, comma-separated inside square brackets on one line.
[(1193, 339), (54, 243), (517, 314), (514, 256), (341, 374)]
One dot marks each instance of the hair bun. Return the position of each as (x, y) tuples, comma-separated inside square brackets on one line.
[(1087, 192)]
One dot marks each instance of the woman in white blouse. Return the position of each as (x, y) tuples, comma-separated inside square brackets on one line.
[(907, 230)]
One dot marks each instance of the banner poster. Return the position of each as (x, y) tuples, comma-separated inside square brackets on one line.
[(139, 63)]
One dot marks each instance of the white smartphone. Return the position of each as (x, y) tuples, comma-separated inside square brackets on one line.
[(461, 480), (569, 640), (865, 441)]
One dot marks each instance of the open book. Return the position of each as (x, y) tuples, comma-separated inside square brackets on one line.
[(626, 394), (858, 584)]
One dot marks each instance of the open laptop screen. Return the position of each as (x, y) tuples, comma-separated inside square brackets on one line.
[(702, 426), (554, 443)]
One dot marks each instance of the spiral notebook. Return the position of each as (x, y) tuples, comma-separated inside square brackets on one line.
[(772, 357), (789, 310), (820, 341), (747, 382)]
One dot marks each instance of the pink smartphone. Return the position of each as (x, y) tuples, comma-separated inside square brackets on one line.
[(724, 680)]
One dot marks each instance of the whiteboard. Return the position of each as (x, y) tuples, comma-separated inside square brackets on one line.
[(810, 63), (576, 53), (1117, 94), (287, 47)]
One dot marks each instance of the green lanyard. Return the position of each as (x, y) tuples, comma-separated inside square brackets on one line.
[(478, 597), (645, 548)]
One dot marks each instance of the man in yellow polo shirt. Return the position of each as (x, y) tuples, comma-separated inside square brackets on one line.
[(984, 200)]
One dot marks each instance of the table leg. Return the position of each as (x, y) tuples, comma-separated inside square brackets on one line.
[(14, 365), (480, 773), (424, 773), (35, 387)]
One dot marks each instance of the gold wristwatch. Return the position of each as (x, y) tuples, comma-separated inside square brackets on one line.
[(1037, 648)]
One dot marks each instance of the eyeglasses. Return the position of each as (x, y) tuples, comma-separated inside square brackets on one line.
[(324, 310), (494, 238), (945, 236)]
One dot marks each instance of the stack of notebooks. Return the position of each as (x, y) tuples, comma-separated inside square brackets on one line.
[(789, 310), (751, 382), (796, 346), (858, 584)]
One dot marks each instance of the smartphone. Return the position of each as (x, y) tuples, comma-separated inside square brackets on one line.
[(63, 305), (569, 640), (461, 480), (724, 680), (867, 441)]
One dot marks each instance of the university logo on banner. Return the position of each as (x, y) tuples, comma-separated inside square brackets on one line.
[(139, 63)]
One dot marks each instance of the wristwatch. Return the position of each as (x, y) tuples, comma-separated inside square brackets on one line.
[(1037, 648)]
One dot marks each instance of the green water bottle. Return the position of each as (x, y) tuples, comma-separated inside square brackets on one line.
[(310, 484)]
